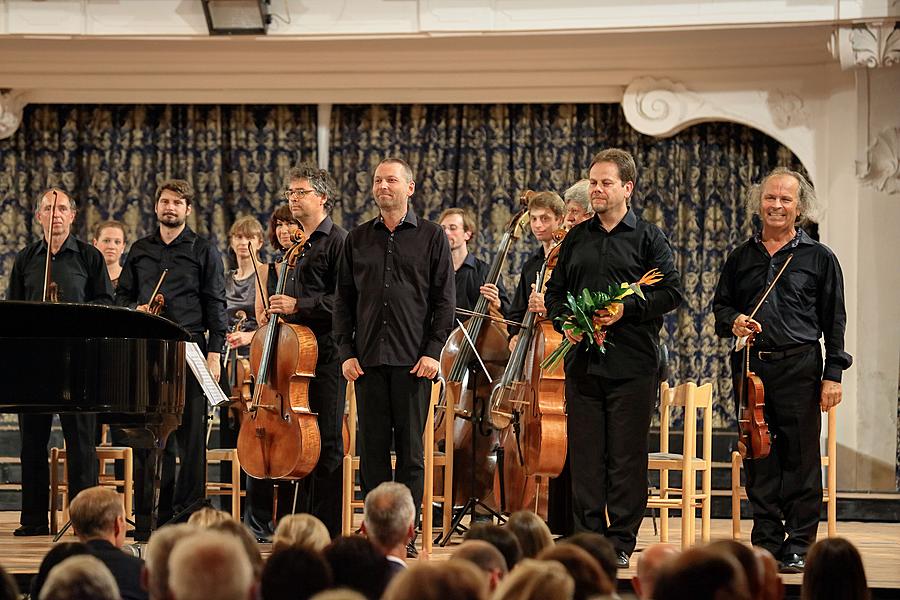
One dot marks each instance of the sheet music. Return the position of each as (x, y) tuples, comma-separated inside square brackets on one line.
[(197, 362)]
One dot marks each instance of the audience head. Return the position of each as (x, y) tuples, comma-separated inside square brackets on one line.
[(281, 225), (155, 576), (773, 587), (8, 588), (649, 563), (389, 516), (600, 550), (81, 577), (301, 530), (356, 564), (834, 569), (590, 580), (57, 554), (748, 561), (247, 541), (531, 531), (208, 516), (578, 203), (500, 538), (536, 580), (97, 513), (294, 573), (485, 557), (210, 564), (701, 573), (339, 594), (452, 580)]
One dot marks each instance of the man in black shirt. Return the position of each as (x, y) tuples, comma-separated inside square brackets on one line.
[(610, 396), (807, 302), (309, 300), (194, 292), (471, 272), (392, 315), (80, 274)]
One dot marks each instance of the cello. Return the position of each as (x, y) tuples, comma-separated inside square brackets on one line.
[(279, 437)]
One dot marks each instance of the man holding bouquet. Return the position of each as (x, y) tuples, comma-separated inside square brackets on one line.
[(611, 370)]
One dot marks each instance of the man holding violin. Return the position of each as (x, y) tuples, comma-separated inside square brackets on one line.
[(309, 300), (194, 293), (807, 301), (78, 270)]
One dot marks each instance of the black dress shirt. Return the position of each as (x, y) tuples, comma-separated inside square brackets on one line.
[(125, 568), (77, 268), (519, 306), (592, 258), (807, 301), (314, 282), (396, 293), (470, 276), (194, 288)]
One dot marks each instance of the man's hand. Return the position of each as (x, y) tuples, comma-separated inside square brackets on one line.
[(607, 316), (214, 365), (425, 367), (536, 302), (143, 308), (262, 317), (239, 338), (351, 369), (512, 342), (831, 395), (492, 293), (572, 337), (744, 326), (280, 304)]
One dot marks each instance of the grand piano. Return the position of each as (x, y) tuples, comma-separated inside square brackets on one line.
[(126, 366)]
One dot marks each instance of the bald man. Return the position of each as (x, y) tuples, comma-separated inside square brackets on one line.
[(648, 567)]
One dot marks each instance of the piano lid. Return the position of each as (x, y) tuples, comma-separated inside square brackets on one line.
[(43, 319)]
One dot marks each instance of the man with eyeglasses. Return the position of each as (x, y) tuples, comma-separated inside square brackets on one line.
[(308, 299), (80, 274)]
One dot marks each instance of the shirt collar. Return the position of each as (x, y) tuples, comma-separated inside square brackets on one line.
[(409, 217), (68, 244), (629, 220), (800, 238), (324, 228), (186, 235), (469, 261)]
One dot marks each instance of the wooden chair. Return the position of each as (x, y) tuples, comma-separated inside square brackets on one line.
[(829, 493), (226, 488), (686, 498), (433, 459)]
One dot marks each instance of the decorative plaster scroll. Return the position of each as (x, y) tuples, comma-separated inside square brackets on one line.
[(11, 106), (882, 168), (787, 109), (662, 107), (869, 45)]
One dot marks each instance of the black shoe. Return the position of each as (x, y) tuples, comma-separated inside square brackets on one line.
[(792, 563), (411, 551), (31, 530), (622, 559)]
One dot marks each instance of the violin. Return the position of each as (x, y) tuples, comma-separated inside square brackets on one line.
[(279, 438), (238, 373), (157, 301)]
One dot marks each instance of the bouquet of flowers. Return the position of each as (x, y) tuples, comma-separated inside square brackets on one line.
[(583, 309)]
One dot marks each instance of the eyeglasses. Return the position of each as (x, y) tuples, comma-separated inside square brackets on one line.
[(298, 193)]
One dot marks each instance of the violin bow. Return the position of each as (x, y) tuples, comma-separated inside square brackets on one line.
[(474, 349), (159, 283), (49, 247), (259, 285), (742, 341), (472, 313)]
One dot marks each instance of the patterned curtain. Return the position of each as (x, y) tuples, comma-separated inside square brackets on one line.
[(691, 185)]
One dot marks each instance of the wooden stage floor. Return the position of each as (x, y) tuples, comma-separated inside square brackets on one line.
[(878, 543)]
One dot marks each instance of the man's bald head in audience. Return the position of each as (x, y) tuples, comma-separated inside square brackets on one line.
[(701, 573), (484, 556), (649, 563), (210, 564)]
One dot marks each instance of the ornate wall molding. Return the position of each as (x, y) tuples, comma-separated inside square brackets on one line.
[(881, 169), (867, 45), (11, 107)]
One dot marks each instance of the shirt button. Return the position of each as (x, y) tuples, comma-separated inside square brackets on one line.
[(387, 285), (385, 303), (384, 322), (388, 268)]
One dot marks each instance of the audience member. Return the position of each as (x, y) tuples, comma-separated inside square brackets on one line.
[(649, 563), (98, 519), (500, 538), (294, 573), (834, 569), (701, 573), (536, 580), (208, 516), (8, 588), (485, 557), (531, 531), (301, 530), (356, 564), (773, 586), (56, 555), (210, 564), (748, 561), (590, 580), (247, 540), (388, 521), (81, 577), (339, 594), (155, 576), (451, 580), (600, 549)]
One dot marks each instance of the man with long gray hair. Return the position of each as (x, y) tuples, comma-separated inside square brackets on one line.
[(578, 203)]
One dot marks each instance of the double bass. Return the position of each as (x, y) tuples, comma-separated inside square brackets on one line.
[(279, 437)]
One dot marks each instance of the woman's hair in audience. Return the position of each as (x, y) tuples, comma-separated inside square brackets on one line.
[(356, 564), (451, 580), (207, 516), (590, 580), (56, 555), (8, 588), (749, 563), (834, 569), (294, 573), (701, 573), (531, 531), (247, 539), (301, 530), (339, 594), (501, 538), (536, 580), (600, 548), (81, 577)]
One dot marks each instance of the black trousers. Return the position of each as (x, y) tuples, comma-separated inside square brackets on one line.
[(785, 488), (392, 405), (79, 431), (560, 518), (319, 493), (608, 425)]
